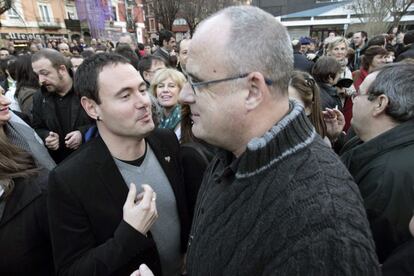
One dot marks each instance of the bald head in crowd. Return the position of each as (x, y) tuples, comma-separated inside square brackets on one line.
[(270, 203), (64, 49)]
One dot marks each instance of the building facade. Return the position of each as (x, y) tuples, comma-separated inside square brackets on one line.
[(337, 17), (44, 19)]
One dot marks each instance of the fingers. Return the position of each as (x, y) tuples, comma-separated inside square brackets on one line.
[(145, 271), (148, 195), (52, 142), (69, 135), (338, 112), (329, 113), (139, 197), (154, 206), (149, 201), (53, 134), (72, 140), (130, 201)]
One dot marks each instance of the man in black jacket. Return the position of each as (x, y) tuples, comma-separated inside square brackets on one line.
[(166, 45), (408, 51), (58, 117), (382, 165), (97, 227)]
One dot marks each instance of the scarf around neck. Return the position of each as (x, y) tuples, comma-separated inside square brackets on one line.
[(172, 120)]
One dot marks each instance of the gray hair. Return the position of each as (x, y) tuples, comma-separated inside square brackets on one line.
[(258, 42), (335, 42), (396, 81)]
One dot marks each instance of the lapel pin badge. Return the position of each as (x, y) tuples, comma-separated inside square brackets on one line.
[(167, 158)]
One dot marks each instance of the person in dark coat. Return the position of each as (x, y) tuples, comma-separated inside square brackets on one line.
[(401, 261), (300, 62), (195, 156), (408, 51), (27, 84), (326, 72), (97, 226), (166, 45), (25, 247), (58, 117), (382, 164)]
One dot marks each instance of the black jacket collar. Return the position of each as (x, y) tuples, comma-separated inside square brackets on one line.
[(25, 191)]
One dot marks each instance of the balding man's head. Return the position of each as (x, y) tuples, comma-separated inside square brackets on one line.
[(63, 48), (250, 40)]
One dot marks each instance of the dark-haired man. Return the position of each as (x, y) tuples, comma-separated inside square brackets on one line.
[(4, 53), (408, 51), (382, 165), (359, 40), (58, 117), (166, 45), (97, 227)]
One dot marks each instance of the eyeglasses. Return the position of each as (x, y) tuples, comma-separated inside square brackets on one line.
[(197, 85), (356, 94)]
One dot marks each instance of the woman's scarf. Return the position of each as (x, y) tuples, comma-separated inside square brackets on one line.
[(173, 120)]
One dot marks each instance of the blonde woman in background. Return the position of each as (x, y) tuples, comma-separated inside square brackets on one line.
[(338, 49), (166, 86)]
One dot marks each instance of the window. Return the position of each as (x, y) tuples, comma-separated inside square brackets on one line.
[(12, 13), (45, 13), (152, 25), (113, 15), (71, 12), (179, 22), (150, 9)]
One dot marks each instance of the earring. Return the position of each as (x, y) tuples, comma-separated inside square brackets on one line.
[(98, 119)]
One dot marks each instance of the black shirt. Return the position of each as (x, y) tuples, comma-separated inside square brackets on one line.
[(63, 111)]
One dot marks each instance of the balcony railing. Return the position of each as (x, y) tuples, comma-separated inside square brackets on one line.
[(49, 23)]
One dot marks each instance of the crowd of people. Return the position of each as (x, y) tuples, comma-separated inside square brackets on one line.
[(252, 154)]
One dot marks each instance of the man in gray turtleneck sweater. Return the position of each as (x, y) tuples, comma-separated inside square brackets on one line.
[(276, 200)]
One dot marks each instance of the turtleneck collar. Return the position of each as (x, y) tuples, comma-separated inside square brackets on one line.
[(286, 137)]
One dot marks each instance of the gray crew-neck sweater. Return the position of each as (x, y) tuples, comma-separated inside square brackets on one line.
[(166, 229)]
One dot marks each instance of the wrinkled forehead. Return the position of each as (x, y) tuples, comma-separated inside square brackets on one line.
[(208, 45)]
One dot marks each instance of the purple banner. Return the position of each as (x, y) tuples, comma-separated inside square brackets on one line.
[(96, 12)]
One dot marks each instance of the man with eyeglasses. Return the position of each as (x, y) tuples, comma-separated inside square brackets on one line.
[(381, 157), (275, 200)]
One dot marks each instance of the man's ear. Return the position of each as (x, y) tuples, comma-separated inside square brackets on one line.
[(145, 75), (381, 103), (91, 107), (256, 89), (62, 69)]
